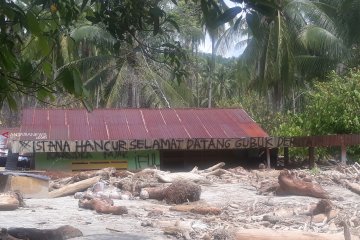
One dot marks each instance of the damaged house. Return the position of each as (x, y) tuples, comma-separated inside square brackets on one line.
[(170, 139)]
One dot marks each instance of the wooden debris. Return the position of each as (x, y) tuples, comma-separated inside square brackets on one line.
[(175, 228), (61, 233), (213, 168), (269, 234), (104, 173), (203, 210), (290, 184), (152, 193), (173, 177), (73, 188), (323, 206), (182, 191), (354, 187), (10, 201), (324, 218), (268, 187), (102, 205)]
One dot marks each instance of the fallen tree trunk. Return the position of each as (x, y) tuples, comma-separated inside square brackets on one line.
[(269, 234), (204, 210), (73, 188), (152, 193), (173, 177), (290, 184), (104, 173), (218, 172), (61, 233), (354, 187), (215, 167)]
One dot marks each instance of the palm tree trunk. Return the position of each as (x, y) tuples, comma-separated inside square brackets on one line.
[(212, 67), (197, 75)]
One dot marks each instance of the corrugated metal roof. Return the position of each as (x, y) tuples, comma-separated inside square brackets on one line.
[(117, 124)]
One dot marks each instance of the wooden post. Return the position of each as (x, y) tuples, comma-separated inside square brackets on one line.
[(311, 157), (286, 157), (343, 154), (268, 157)]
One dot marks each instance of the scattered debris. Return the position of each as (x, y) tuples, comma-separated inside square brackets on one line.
[(214, 203)]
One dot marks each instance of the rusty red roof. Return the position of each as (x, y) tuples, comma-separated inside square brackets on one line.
[(117, 124)]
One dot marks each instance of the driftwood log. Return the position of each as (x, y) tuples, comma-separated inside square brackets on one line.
[(173, 177), (61, 233), (354, 187), (104, 173), (73, 188), (291, 184), (203, 210), (102, 205), (10, 201), (269, 234), (213, 168), (152, 193)]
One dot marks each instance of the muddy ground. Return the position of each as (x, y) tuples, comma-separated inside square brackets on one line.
[(241, 204)]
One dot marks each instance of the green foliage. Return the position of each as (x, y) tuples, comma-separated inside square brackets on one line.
[(334, 106)]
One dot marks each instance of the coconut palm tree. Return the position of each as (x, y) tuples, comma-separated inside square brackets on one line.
[(287, 43)]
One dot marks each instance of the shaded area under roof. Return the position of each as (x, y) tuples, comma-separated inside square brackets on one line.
[(118, 124)]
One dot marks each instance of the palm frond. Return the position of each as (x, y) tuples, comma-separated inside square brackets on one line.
[(320, 41), (94, 34)]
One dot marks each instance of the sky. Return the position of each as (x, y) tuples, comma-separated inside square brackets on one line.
[(206, 46)]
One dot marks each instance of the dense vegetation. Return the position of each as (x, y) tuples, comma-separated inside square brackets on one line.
[(298, 73)]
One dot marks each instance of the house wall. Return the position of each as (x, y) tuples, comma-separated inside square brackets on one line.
[(77, 161)]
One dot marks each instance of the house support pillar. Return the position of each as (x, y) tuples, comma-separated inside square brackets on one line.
[(343, 154), (311, 157), (286, 157), (268, 157)]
